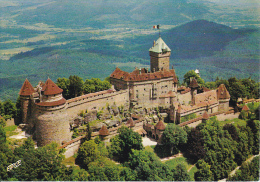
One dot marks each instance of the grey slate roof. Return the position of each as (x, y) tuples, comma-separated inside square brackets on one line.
[(160, 46)]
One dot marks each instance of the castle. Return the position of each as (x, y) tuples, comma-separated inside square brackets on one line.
[(48, 115)]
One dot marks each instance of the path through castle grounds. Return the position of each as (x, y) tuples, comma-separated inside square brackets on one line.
[(222, 117), (148, 141), (21, 134)]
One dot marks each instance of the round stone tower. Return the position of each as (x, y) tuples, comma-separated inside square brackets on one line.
[(25, 93), (52, 123)]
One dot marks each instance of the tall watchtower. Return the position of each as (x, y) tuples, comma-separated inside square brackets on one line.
[(159, 56), (25, 93)]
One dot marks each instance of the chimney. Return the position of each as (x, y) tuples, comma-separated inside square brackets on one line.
[(153, 43), (140, 71)]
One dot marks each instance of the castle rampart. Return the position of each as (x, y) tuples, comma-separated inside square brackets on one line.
[(97, 101)]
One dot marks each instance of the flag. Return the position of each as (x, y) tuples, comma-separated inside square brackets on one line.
[(156, 26)]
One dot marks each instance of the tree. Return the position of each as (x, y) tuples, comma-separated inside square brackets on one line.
[(204, 173), (2, 135), (247, 172), (148, 166), (122, 144), (104, 169), (88, 152), (18, 118), (236, 89), (180, 173), (89, 132), (173, 136), (75, 86), (64, 83), (78, 174), (233, 131), (2, 111), (191, 74), (95, 85), (9, 108), (195, 144), (43, 163), (254, 125), (2, 122), (128, 174), (219, 147)]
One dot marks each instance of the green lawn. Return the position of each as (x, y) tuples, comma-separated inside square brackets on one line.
[(10, 130), (235, 122), (174, 162), (182, 160), (69, 161)]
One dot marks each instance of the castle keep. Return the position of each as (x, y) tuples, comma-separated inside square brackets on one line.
[(48, 115)]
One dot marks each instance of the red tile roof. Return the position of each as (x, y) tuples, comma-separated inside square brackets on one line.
[(222, 92), (27, 89), (201, 100), (70, 142), (181, 88), (103, 131), (194, 83), (205, 89), (209, 98), (50, 88), (54, 103), (185, 91), (143, 76), (245, 108), (205, 115), (169, 94), (160, 125), (131, 122)]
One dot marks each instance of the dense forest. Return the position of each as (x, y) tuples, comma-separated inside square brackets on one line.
[(215, 149)]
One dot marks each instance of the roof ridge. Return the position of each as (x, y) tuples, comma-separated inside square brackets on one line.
[(26, 89), (50, 88)]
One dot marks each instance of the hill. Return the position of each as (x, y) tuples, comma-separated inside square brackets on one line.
[(215, 49)]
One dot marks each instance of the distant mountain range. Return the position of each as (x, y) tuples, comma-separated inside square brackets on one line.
[(215, 49), (59, 38)]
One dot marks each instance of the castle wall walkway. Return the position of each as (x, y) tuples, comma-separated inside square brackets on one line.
[(96, 100)]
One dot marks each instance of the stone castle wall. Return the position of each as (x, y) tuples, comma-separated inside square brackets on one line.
[(184, 98), (159, 61), (223, 105), (96, 101), (200, 110), (147, 93), (51, 98)]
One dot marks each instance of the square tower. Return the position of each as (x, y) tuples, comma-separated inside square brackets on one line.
[(159, 56)]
